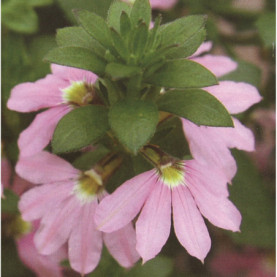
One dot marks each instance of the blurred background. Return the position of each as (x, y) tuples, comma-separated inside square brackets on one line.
[(241, 29)]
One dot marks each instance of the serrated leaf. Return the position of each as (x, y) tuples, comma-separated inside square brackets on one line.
[(9, 202), (182, 74), (141, 11), (118, 71), (96, 26), (115, 13), (182, 29), (19, 17), (197, 106), (77, 57), (78, 37), (133, 122), (79, 128)]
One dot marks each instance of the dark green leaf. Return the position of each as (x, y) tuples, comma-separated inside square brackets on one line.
[(197, 106), (267, 28), (115, 13), (152, 41), (245, 72), (119, 45), (39, 3), (77, 57), (140, 40), (255, 203), (78, 37), (133, 122), (19, 17), (96, 26), (125, 24), (79, 128), (182, 29), (141, 11), (118, 71), (182, 74), (9, 202)]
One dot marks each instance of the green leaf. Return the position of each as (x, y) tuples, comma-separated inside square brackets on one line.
[(140, 40), (77, 57), (9, 202), (79, 128), (78, 37), (115, 13), (255, 203), (141, 11), (245, 72), (125, 25), (182, 29), (119, 45), (19, 17), (133, 122), (170, 137), (266, 25), (119, 71), (96, 26), (197, 106), (39, 3), (182, 74)]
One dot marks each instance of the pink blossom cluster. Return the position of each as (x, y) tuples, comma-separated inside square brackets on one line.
[(75, 211)]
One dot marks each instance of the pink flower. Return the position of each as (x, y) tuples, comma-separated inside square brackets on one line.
[(190, 188), (159, 4), (66, 203), (60, 91), (42, 265), (210, 145)]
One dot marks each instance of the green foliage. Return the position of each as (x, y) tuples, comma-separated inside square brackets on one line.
[(182, 74), (133, 122), (141, 11), (9, 202), (118, 71), (197, 106), (79, 128), (255, 203)]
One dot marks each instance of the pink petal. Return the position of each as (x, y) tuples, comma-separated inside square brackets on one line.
[(218, 65), (43, 266), (73, 74), (85, 242), (204, 47), (236, 97), (56, 226), (40, 132), (189, 225), (122, 245), (30, 97), (162, 4), (38, 201), (220, 211), (153, 225), (118, 209), (45, 167), (209, 147)]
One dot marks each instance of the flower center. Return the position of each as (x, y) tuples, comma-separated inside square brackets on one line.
[(17, 227), (172, 174), (78, 93), (88, 186)]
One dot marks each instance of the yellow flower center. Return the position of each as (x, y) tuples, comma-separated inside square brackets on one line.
[(79, 93), (17, 227), (88, 186), (172, 174)]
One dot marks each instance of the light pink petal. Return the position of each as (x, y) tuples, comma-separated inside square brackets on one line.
[(162, 4), (56, 226), (85, 242), (208, 177), (204, 47), (153, 225), (220, 211), (209, 148), (37, 136), (122, 245), (37, 202), (43, 266), (6, 173), (118, 209), (73, 74), (44, 93), (45, 167), (236, 97), (20, 185), (218, 65), (189, 225)]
